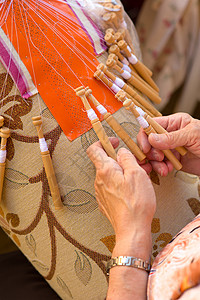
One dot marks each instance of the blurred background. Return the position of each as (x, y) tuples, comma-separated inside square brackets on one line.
[(169, 37)]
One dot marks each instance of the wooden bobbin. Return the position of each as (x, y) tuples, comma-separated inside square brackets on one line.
[(129, 90), (115, 49), (112, 63), (128, 104), (99, 75), (114, 124), (108, 6), (110, 30), (159, 129), (109, 39), (143, 88), (4, 134), (97, 126), (122, 96), (1, 121), (124, 47), (48, 166), (110, 19), (120, 35), (139, 66)]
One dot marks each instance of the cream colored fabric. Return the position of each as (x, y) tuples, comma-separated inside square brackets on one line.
[(69, 247), (169, 37)]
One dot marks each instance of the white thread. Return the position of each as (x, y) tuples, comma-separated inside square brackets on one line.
[(119, 82), (140, 111), (2, 156), (129, 48), (126, 75), (143, 122), (126, 68), (133, 59), (115, 88), (102, 109), (125, 61), (124, 24), (91, 114), (43, 145)]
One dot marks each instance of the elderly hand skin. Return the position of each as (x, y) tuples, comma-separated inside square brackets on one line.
[(183, 130), (126, 197)]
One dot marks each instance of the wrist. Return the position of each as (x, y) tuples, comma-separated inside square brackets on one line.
[(136, 244)]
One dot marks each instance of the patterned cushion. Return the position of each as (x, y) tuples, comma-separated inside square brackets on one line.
[(69, 247)]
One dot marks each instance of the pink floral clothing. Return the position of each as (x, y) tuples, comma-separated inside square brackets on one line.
[(177, 268)]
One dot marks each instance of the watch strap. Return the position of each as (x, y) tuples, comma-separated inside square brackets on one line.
[(128, 261)]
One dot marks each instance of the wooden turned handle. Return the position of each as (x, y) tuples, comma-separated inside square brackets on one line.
[(2, 173), (144, 89), (124, 136), (142, 71), (141, 100), (102, 136), (1, 121), (37, 122), (52, 180), (48, 166), (159, 129)]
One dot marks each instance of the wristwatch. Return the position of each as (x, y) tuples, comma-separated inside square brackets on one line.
[(128, 261)]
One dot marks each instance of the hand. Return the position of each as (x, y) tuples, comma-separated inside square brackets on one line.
[(183, 130), (125, 195), (124, 192)]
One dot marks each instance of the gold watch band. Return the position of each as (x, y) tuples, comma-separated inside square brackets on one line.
[(128, 261)]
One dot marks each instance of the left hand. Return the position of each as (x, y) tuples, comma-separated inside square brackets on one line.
[(124, 192)]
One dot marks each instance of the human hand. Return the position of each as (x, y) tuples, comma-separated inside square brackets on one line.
[(183, 130), (125, 195)]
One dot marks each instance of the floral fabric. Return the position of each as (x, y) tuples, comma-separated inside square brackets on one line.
[(169, 32)]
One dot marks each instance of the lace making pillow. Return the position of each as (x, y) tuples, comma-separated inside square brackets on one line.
[(70, 246)]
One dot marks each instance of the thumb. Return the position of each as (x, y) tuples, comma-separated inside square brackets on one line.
[(126, 160), (169, 140)]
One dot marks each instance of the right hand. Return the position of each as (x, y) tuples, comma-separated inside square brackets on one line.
[(183, 130)]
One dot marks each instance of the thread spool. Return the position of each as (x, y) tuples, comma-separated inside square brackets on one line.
[(97, 126), (4, 134), (128, 104), (48, 166), (113, 123)]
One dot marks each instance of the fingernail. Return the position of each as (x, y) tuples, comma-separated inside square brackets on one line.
[(155, 136)]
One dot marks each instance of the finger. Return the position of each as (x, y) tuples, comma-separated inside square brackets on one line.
[(143, 142), (160, 167), (155, 154), (97, 154), (126, 160), (170, 140), (146, 166), (174, 122)]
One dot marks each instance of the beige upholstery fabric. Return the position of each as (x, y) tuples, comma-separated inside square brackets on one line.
[(69, 247)]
